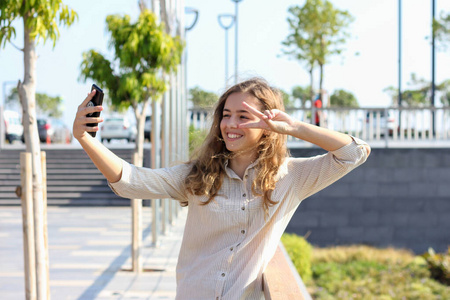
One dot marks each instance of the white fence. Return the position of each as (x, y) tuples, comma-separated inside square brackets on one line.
[(386, 127)]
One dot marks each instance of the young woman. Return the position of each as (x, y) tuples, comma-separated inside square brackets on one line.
[(241, 188)]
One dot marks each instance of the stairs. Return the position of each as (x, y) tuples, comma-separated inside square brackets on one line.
[(72, 178)]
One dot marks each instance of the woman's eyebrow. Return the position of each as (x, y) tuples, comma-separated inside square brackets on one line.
[(239, 111)]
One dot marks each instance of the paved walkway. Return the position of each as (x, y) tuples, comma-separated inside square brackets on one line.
[(89, 250)]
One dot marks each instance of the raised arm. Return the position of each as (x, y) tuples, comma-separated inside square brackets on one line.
[(109, 164), (280, 122)]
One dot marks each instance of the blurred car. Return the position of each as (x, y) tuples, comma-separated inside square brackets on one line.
[(387, 123), (53, 131), (148, 128), (117, 128), (13, 126)]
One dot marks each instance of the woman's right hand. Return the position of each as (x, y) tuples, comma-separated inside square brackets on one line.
[(80, 129)]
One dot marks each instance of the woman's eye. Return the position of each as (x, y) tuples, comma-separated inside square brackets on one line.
[(225, 116), (244, 117)]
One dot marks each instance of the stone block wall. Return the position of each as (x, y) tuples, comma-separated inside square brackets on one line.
[(399, 198)]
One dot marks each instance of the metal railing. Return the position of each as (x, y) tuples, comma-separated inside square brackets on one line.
[(385, 126)]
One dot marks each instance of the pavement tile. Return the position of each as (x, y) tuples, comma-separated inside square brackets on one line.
[(89, 249)]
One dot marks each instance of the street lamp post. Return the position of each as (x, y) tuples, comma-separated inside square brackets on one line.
[(191, 10), (236, 42), (226, 26), (433, 55), (399, 103)]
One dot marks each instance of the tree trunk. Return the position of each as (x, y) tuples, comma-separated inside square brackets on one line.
[(27, 92), (165, 17), (311, 95), (311, 90), (139, 143), (321, 83), (136, 204)]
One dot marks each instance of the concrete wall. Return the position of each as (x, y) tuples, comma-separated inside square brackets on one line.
[(399, 197)]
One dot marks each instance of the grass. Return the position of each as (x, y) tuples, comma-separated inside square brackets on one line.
[(363, 272)]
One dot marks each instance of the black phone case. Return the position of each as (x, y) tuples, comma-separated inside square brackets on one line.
[(96, 101)]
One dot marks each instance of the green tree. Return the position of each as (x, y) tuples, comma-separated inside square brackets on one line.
[(143, 54), (416, 95), (444, 88), (287, 98), (441, 29), (40, 19), (45, 104), (317, 32), (300, 44), (342, 98), (202, 98), (302, 94)]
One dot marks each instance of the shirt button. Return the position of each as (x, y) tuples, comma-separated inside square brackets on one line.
[(243, 231), (223, 274), (244, 195), (243, 207), (231, 249)]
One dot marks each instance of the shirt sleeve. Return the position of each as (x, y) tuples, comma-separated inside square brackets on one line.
[(146, 183), (314, 174)]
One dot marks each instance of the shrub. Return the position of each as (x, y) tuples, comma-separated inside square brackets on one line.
[(439, 265), (362, 272), (196, 138), (299, 251), (372, 280), (345, 254)]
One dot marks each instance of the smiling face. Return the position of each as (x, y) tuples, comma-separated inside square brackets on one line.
[(236, 139)]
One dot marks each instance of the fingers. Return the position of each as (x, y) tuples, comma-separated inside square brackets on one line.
[(269, 114), (85, 116), (88, 98), (91, 128), (260, 125), (93, 120), (84, 111), (89, 111), (254, 111)]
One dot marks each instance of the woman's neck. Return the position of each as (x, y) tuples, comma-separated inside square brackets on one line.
[(240, 163)]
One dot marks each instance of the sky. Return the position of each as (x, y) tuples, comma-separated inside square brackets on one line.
[(368, 65)]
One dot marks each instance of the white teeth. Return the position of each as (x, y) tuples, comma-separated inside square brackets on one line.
[(234, 136)]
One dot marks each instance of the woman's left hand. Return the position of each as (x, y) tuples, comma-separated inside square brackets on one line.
[(274, 120)]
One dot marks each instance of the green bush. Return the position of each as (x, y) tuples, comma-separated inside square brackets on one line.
[(439, 265), (196, 138), (345, 254), (299, 251), (362, 272)]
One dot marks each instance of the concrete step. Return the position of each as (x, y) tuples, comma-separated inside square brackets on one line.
[(53, 165), (72, 178), (61, 170), (81, 176), (72, 202), (50, 188)]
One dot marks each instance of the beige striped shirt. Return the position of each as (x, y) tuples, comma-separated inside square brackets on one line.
[(228, 243)]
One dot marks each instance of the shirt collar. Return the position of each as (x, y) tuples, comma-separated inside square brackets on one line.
[(230, 172)]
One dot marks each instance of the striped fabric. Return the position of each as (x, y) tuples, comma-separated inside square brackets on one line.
[(228, 243)]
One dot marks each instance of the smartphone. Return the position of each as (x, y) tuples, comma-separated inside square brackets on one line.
[(96, 101)]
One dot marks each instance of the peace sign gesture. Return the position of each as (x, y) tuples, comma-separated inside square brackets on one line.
[(273, 120)]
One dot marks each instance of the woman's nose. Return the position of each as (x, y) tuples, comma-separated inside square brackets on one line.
[(232, 123)]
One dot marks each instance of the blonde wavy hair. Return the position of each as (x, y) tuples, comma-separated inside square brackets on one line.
[(208, 163)]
